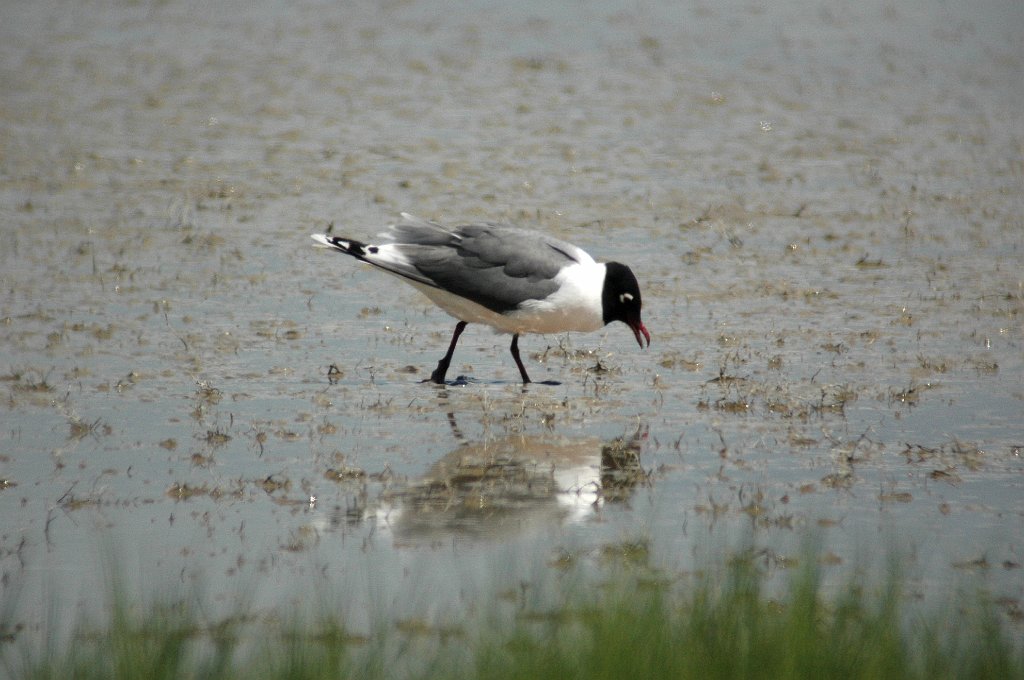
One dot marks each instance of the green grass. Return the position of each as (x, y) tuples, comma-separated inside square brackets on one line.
[(722, 625), (732, 630)]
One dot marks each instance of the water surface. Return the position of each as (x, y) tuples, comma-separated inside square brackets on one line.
[(823, 204)]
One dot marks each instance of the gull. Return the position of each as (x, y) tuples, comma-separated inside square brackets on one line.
[(514, 280)]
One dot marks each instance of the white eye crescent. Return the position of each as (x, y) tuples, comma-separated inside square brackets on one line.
[(625, 297)]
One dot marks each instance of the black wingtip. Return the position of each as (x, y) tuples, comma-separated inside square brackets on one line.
[(345, 245)]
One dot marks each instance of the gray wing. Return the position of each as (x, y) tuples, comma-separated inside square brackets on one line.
[(496, 266)]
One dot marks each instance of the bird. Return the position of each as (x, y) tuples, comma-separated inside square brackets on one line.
[(512, 279)]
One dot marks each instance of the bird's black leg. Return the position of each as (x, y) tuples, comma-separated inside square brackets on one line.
[(519, 362), (442, 366)]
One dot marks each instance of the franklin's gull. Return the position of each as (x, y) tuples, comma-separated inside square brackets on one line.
[(514, 280)]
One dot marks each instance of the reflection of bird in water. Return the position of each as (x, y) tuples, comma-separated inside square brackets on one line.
[(510, 485), (514, 280)]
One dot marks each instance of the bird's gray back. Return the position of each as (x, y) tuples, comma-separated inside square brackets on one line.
[(495, 265)]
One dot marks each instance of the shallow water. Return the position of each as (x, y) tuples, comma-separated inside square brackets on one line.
[(823, 204)]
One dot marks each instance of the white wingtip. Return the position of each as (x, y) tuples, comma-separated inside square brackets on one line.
[(321, 240)]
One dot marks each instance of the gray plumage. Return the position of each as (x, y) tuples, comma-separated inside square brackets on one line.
[(481, 262)]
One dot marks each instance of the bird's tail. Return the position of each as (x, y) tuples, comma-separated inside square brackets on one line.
[(345, 245)]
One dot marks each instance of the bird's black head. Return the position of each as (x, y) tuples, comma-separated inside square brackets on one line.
[(621, 301)]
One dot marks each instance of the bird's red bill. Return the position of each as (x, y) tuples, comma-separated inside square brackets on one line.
[(639, 328)]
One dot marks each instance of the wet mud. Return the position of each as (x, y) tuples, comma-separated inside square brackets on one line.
[(823, 206)]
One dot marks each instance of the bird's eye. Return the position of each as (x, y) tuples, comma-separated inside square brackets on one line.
[(625, 297)]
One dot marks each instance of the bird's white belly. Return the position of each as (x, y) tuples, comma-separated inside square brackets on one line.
[(570, 308)]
